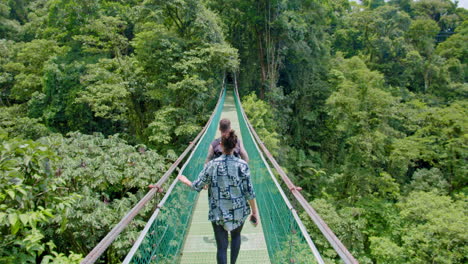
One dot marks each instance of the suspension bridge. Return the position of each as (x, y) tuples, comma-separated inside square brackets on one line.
[(179, 231)]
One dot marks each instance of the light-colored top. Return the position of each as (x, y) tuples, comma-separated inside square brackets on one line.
[(229, 190)]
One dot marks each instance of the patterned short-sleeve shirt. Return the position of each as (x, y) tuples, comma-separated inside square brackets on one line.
[(230, 188)]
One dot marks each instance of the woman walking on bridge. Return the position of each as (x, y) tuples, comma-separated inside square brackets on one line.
[(230, 193), (215, 150)]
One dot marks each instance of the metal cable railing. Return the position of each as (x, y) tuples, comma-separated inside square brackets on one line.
[(101, 247), (295, 190), (287, 238), (162, 238)]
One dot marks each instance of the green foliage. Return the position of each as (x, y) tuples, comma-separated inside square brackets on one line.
[(32, 199), (454, 50), (179, 79), (104, 36), (422, 34), (429, 180), (261, 116), (112, 69), (57, 106), (156, 49), (381, 38), (111, 177), (105, 164), (368, 101), (86, 191), (439, 142), (25, 67), (421, 228), (169, 124), (386, 251), (441, 11), (306, 169), (191, 20), (378, 126), (65, 17), (429, 65), (8, 26), (106, 92), (6, 79), (295, 250), (60, 258), (433, 228), (360, 114), (454, 46), (346, 223), (14, 121)]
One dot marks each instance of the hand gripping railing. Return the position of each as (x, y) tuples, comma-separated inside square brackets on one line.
[(99, 249), (295, 190)]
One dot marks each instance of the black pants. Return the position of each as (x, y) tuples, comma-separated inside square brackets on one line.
[(222, 243)]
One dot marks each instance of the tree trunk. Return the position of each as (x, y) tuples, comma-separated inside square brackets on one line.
[(261, 58), (426, 80)]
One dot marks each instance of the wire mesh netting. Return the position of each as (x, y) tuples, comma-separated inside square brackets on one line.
[(285, 241), (200, 243), (164, 239)]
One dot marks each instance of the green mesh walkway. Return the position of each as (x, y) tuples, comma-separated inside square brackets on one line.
[(179, 231), (200, 245)]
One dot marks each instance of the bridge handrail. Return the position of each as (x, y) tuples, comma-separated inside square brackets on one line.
[(99, 249), (147, 227), (296, 217), (295, 190)]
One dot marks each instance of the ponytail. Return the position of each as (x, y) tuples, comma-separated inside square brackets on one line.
[(229, 141)]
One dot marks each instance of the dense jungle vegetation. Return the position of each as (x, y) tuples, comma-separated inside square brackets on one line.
[(365, 106)]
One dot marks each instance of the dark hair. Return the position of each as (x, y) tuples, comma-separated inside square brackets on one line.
[(224, 125), (229, 142)]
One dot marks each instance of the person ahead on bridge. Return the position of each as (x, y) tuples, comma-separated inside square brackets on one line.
[(230, 194), (215, 149)]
